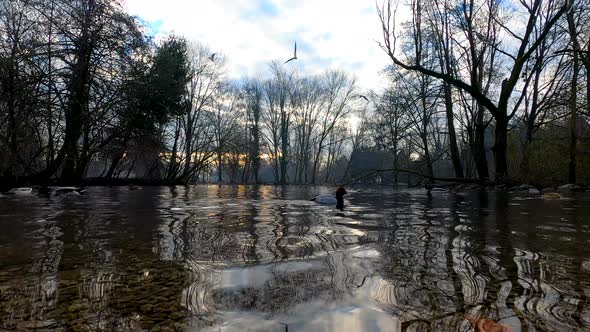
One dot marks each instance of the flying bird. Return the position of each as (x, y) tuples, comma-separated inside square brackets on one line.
[(364, 97), (212, 57), (294, 54)]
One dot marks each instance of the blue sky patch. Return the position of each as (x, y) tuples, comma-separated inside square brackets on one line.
[(268, 8), (155, 26), (356, 65)]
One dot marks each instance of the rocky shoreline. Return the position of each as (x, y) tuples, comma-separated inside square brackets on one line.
[(522, 188), (510, 187)]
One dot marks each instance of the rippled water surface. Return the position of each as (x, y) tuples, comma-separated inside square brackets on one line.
[(210, 258)]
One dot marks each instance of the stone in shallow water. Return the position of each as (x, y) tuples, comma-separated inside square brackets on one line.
[(524, 187), (146, 307), (566, 188)]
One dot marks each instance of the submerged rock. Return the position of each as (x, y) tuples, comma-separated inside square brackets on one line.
[(568, 188), (534, 191), (21, 191), (523, 187)]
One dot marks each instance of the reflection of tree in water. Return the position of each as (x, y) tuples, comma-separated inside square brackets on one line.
[(93, 271), (29, 292), (484, 274), (417, 284), (443, 264), (554, 275), (440, 261), (298, 260), (285, 286)]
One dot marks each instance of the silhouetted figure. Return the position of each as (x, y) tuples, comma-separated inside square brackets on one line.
[(340, 198)]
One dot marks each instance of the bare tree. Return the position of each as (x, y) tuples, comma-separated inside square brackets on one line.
[(18, 81), (340, 90), (253, 93), (573, 101), (545, 80), (390, 126), (272, 121), (225, 123), (277, 119), (309, 98), (442, 34), (527, 44), (206, 75)]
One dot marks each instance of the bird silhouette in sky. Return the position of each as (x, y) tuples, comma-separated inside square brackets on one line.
[(294, 54), (212, 57), (364, 97)]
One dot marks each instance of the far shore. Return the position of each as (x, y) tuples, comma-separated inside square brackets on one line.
[(9, 183)]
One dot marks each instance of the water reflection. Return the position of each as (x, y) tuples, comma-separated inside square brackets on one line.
[(234, 258)]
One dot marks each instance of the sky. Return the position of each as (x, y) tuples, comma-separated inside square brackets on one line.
[(330, 34)]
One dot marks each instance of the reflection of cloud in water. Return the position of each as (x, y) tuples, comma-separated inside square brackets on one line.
[(349, 314), (256, 276), (229, 258)]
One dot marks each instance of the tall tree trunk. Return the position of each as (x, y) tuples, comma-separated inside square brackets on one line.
[(329, 165), (172, 166), (530, 123), (85, 155), (276, 159), (74, 113), (130, 169), (573, 102), (479, 148), (13, 71), (395, 163), (219, 167), (118, 156), (114, 163), (188, 147), (427, 158), (256, 147), (13, 143), (50, 143), (424, 133), (501, 145), (316, 161), (455, 156), (284, 146)]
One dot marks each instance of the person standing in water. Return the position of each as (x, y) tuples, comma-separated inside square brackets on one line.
[(340, 192)]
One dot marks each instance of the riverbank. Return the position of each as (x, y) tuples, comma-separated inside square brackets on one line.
[(9, 183)]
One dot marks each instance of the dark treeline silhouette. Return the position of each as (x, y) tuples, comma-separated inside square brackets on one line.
[(476, 90)]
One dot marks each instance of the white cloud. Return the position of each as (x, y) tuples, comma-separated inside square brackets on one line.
[(330, 34)]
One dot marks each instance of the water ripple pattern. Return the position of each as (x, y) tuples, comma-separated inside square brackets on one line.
[(264, 258)]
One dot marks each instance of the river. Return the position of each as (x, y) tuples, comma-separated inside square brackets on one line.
[(245, 258)]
